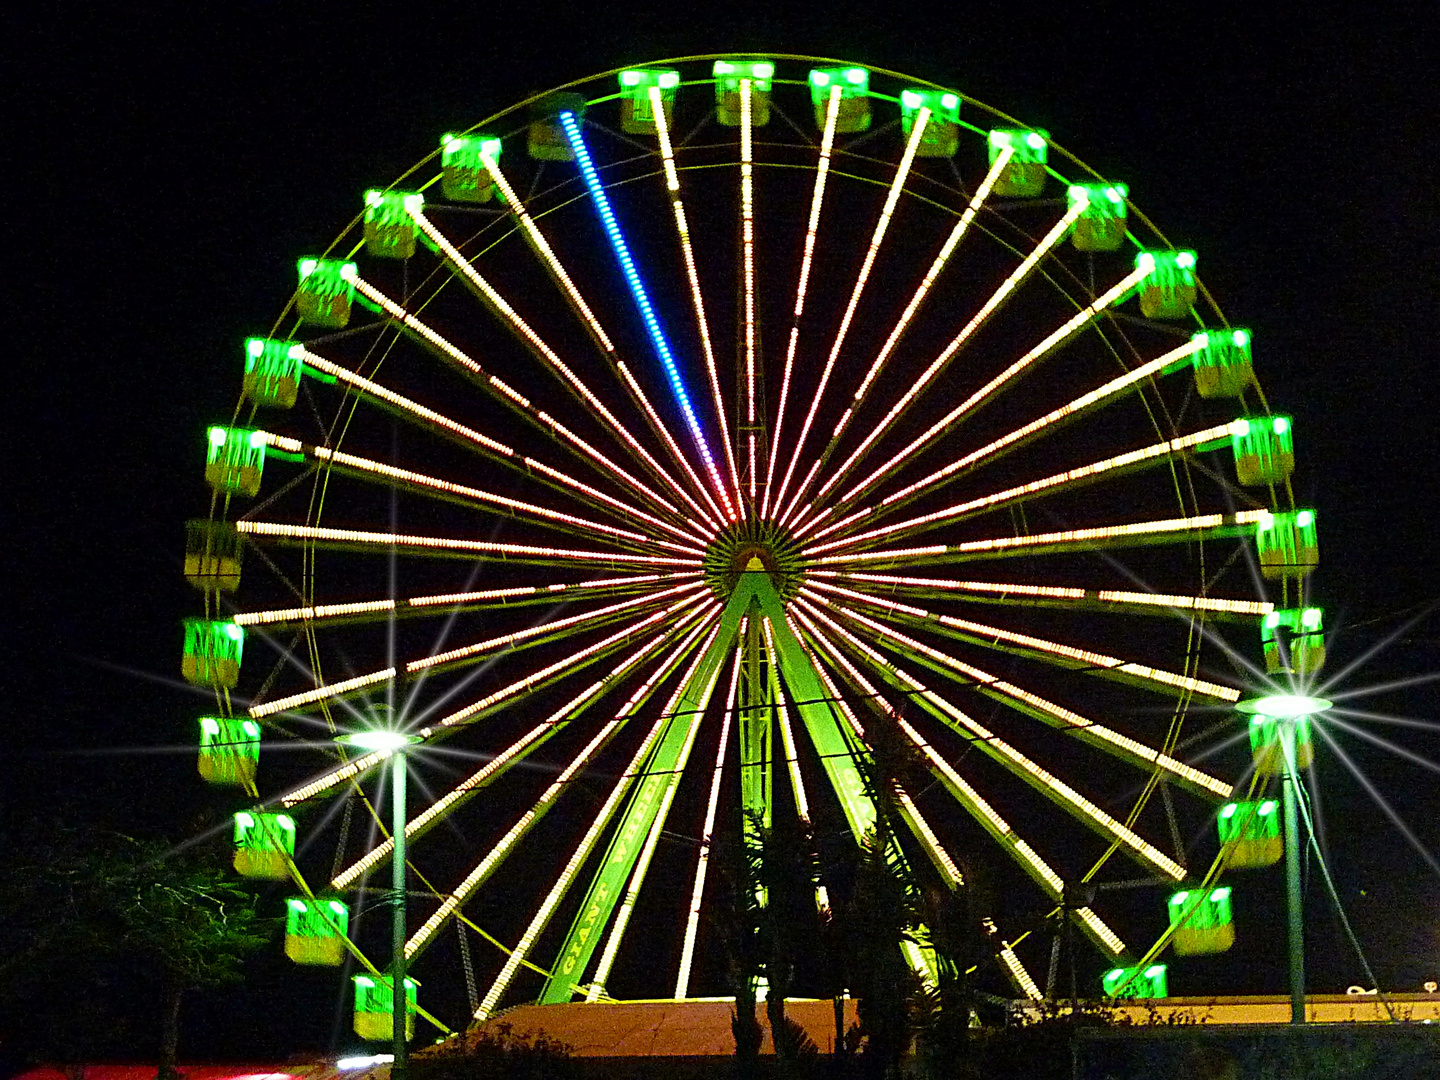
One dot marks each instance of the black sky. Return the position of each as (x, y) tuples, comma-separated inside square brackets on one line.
[(167, 162)]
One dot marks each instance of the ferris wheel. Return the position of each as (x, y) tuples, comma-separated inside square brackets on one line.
[(654, 441)]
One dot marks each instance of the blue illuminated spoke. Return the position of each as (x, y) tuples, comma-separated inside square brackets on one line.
[(637, 290)]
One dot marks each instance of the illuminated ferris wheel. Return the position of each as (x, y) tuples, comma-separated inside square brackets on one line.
[(655, 441)]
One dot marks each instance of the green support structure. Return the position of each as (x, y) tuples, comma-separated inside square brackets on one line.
[(756, 728), (755, 596)]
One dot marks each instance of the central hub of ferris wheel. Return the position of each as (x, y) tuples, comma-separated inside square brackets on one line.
[(730, 553)]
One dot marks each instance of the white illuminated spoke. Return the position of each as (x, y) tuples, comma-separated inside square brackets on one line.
[(1017, 763), (361, 539), (397, 477), (707, 839), (817, 199), (1098, 735), (453, 901), (1154, 453), (787, 735), (747, 247), (577, 860), (876, 239), (961, 790), (996, 301), (992, 637), (1021, 593), (921, 292), (1138, 532), (490, 646), (444, 604), (548, 355)]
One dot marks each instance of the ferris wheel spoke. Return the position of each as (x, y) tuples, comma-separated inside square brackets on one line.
[(1047, 424), (946, 251), (571, 126), (817, 199), (497, 766), (637, 770), (488, 294), (697, 299), (1037, 648), (1014, 697), (455, 900), (1000, 830), (980, 397), (1016, 763), (997, 300), (707, 838), (1169, 530), (467, 437), (747, 276), (882, 225), (450, 603), (787, 735), (494, 702), (540, 634), (504, 393), (1108, 468), (684, 700), (395, 478), (450, 547), (1016, 594)]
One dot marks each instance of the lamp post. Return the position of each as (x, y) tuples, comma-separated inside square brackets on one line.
[(1290, 712), (395, 743)]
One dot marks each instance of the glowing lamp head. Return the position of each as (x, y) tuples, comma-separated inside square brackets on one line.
[(630, 78), (1240, 428), (257, 440), (255, 346), (1280, 425), (911, 100), (762, 70), (819, 78), (1267, 807), (374, 197), (1284, 706), (307, 267), (1311, 618), (379, 740), (297, 905), (348, 272), (1185, 260), (855, 76), (669, 80), (1305, 518), (1034, 140), (1241, 338), (949, 101), (217, 436)]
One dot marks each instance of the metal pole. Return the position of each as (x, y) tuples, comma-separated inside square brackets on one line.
[(1294, 899), (400, 1069)]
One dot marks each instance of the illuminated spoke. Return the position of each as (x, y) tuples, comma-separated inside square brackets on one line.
[(993, 637), (817, 199), (682, 226), (573, 382), (1020, 436), (1168, 530), (477, 710), (571, 126), (450, 547), (449, 603), (533, 635), (395, 477), (1058, 337), (881, 226), (504, 392), (962, 791), (707, 838), (1019, 594), (921, 292), (1057, 716), (456, 899), (1019, 765), (787, 735), (498, 765), (577, 859), (747, 264), (1082, 474)]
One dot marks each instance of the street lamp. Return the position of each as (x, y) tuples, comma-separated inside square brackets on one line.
[(394, 743), (1289, 712)]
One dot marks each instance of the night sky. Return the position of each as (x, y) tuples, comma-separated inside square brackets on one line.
[(171, 165)]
